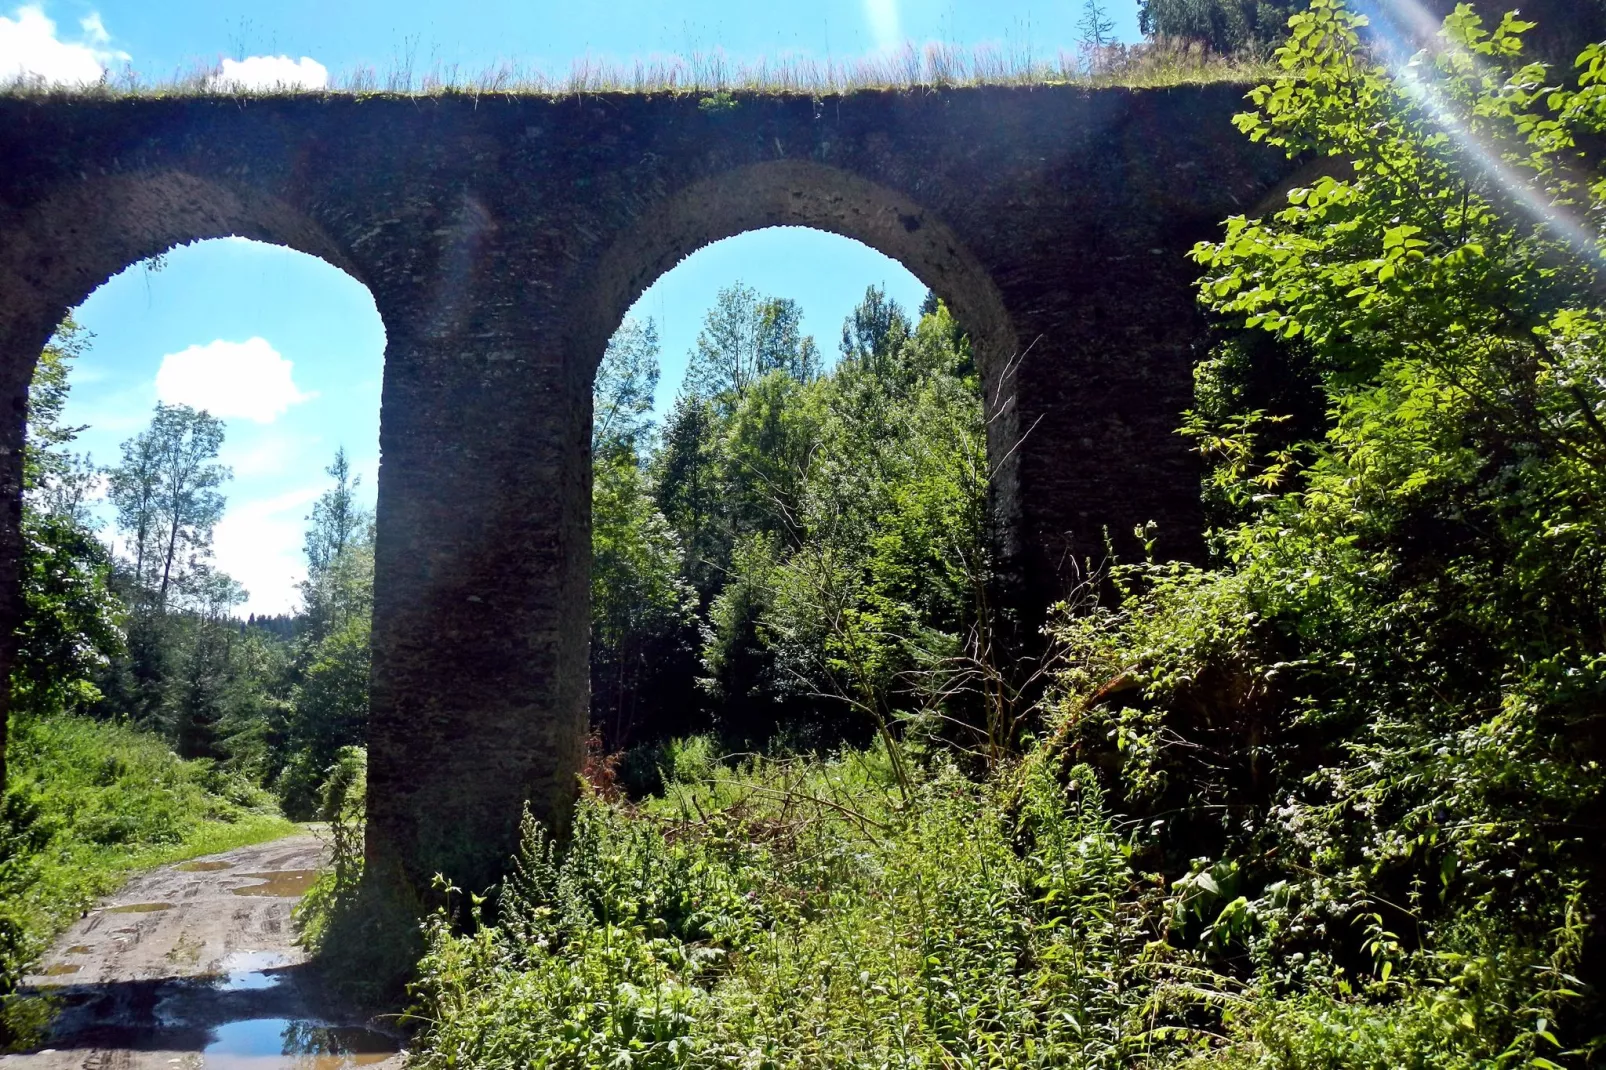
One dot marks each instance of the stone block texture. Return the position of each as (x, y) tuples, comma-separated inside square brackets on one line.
[(504, 237)]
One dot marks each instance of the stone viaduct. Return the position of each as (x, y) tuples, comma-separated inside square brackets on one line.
[(503, 238)]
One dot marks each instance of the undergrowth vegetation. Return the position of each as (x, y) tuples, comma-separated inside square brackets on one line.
[(799, 913)]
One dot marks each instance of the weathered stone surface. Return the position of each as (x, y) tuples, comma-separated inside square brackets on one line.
[(504, 238)]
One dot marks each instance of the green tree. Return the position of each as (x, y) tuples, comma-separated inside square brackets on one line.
[(166, 495), (763, 453), (206, 682), (879, 603), (643, 622), (71, 623), (336, 520), (1094, 28), (327, 706), (623, 393), (855, 506), (1226, 26), (744, 338), (685, 485), (56, 481)]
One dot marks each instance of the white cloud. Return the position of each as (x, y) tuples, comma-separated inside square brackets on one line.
[(31, 51), (269, 456), (246, 379), (94, 29), (272, 72), (883, 18), (259, 544)]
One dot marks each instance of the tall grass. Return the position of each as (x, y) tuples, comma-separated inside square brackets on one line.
[(934, 66)]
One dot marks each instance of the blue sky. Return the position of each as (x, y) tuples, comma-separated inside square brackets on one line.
[(290, 350), (163, 37)]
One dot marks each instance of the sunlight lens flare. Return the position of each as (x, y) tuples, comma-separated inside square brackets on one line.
[(1399, 28)]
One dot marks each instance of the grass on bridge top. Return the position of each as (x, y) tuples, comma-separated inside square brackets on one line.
[(1155, 64)]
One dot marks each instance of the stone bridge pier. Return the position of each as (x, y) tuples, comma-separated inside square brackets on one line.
[(503, 238)]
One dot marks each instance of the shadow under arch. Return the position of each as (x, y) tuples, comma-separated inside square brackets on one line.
[(54, 253), (803, 193)]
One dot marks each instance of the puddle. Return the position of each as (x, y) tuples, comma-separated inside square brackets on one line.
[(139, 908), (203, 867), (300, 1044), (59, 970), (79, 949), (286, 883), (245, 971)]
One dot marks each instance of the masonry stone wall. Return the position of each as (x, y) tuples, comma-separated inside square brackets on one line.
[(503, 238)]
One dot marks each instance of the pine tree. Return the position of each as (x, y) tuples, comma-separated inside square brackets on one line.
[(1096, 28)]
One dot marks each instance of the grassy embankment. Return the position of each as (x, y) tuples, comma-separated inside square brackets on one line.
[(90, 803)]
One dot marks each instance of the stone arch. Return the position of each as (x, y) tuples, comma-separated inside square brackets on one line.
[(798, 193), (66, 245), (804, 193), (57, 251)]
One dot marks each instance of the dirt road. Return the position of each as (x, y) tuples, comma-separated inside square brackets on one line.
[(192, 966)]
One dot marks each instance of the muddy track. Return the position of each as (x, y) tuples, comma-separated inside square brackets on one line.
[(193, 966)]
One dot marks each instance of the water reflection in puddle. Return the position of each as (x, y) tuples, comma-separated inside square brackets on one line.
[(203, 867), (287, 883), (139, 908), (245, 971), (61, 969), (79, 949), (303, 1045)]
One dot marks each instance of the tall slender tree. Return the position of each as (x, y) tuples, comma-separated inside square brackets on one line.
[(166, 494), (623, 393), (133, 491), (336, 520), (1095, 27)]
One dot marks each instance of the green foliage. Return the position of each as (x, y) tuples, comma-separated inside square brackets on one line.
[(1228, 27), (336, 521), (342, 808), (796, 914), (744, 338), (643, 630), (325, 708), (167, 500), (832, 526), (70, 627), (361, 929), (624, 389), (1367, 738), (884, 594)]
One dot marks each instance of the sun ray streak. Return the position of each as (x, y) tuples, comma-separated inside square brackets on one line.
[(1406, 66)]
